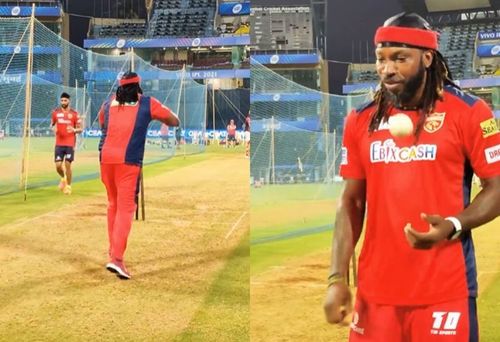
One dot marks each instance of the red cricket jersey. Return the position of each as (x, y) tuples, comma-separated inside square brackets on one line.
[(405, 178), (63, 120), (231, 129), (124, 129)]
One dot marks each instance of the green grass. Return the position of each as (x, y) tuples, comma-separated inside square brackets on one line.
[(288, 234), (39, 199), (76, 291), (489, 313), (278, 194), (227, 300), (264, 256), (41, 170)]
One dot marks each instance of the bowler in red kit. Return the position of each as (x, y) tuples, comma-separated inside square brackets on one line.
[(65, 124), (124, 120), (417, 271)]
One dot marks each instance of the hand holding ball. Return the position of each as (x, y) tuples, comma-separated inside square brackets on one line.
[(400, 125)]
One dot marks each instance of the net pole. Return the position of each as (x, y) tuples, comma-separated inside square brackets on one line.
[(184, 112), (327, 154), (334, 153), (183, 73), (27, 108), (213, 108), (132, 60), (204, 124), (273, 172), (76, 96)]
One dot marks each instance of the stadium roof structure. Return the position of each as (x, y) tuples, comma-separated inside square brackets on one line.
[(430, 7)]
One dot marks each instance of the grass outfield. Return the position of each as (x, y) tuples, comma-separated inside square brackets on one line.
[(290, 257), (41, 160), (289, 221), (189, 274)]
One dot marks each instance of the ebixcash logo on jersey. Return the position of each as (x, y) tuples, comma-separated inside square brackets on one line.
[(388, 152)]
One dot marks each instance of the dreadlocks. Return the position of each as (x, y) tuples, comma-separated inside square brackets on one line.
[(128, 93)]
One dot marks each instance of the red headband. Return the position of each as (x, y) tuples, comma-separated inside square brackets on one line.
[(125, 81), (407, 35)]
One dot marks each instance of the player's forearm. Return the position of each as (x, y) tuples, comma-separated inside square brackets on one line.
[(485, 206), (348, 226)]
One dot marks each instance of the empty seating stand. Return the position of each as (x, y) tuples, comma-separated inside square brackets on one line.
[(182, 18), (122, 30), (457, 45)]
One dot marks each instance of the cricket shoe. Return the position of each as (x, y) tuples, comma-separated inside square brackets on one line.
[(62, 184), (67, 190), (119, 268)]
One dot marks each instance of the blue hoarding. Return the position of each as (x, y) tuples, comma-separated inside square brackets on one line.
[(12, 49), (468, 83), (110, 76), (25, 11), (488, 35), (117, 43), (285, 97), (234, 8), (312, 58), (488, 50)]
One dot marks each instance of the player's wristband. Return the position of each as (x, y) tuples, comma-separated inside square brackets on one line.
[(457, 227), (335, 278)]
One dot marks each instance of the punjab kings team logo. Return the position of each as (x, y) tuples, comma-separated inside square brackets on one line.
[(434, 122)]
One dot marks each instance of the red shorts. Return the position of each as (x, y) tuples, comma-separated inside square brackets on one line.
[(450, 321)]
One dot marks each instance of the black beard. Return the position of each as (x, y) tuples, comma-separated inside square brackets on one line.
[(409, 89), (64, 106)]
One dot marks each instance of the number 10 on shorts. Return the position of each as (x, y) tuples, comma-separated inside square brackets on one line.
[(445, 323)]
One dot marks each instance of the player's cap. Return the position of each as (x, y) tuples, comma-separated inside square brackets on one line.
[(407, 30)]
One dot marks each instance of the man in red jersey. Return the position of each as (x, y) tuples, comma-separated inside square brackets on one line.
[(417, 273), (231, 134), (65, 124), (124, 120)]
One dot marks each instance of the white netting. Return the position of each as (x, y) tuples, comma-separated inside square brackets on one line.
[(90, 78), (296, 131)]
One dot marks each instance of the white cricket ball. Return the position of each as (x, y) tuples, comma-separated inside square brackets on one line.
[(400, 125)]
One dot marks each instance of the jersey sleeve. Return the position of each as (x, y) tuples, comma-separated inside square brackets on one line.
[(482, 140), (350, 165), (161, 112)]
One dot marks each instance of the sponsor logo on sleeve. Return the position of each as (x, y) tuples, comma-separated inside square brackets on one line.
[(434, 122), (489, 128), (492, 154), (344, 156)]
